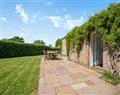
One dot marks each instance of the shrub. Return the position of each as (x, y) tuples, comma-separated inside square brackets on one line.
[(12, 49), (107, 76)]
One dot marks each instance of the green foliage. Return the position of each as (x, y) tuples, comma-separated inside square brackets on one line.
[(39, 42), (12, 49), (68, 44), (106, 23), (15, 39), (58, 43), (79, 39), (107, 76), (74, 39)]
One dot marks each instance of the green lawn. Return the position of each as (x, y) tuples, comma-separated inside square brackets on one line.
[(19, 76)]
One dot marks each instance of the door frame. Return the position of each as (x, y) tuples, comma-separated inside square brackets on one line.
[(92, 61), (91, 49)]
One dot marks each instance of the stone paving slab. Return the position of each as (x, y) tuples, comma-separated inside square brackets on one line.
[(98, 89), (60, 77), (65, 90), (79, 86)]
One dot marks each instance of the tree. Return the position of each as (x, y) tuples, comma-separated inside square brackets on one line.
[(39, 42), (15, 39), (58, 43)]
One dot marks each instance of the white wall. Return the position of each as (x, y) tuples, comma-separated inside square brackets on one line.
[(64, 47)]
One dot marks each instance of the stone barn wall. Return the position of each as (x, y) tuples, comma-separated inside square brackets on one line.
[(64, 47), (84, 54), (106, 58), (73, 56), (84, 57)]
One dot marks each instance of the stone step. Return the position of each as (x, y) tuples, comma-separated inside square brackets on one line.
[(98, 69)]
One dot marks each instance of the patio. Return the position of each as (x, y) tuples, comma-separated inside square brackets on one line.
[(60, 77)]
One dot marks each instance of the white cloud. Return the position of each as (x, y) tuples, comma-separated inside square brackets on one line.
[(71, 23), (48, 3), (34, 18), (4, 19), (22, 34), (66, 22), (64, 10), (23, 13), (56, 20)]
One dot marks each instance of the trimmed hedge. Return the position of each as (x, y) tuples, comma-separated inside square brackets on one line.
[(12, 49)]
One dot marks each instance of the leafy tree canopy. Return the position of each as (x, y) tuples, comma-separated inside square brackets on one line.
[(39, 42), (58, 43), (15, 39)]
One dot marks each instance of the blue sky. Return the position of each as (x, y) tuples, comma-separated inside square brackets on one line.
[(46, 20)]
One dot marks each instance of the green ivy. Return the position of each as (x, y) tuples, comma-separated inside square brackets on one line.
[(106, 23), (68, 44)]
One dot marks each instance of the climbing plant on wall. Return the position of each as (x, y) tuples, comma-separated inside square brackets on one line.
[(68, 44), (106, 23), (79, 39)]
